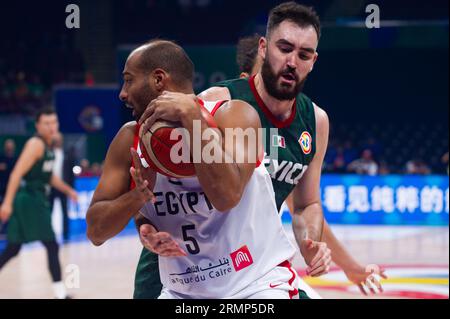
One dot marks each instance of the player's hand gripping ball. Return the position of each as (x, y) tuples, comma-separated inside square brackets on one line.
[(165, 154)]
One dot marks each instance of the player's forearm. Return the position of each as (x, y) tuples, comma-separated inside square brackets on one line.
[(13, 186), (105, 219), (339, 254), (221, 182), (308, 223), (60, 185)]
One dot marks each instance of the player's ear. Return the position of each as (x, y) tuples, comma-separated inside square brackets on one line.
[(159, 79), (316, 56), (262, 47)]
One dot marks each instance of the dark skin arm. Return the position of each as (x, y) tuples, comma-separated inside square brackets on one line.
[(113, 204), (223, 182)]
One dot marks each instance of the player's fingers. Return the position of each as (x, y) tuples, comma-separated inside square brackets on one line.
[(149, 122), (324, 261), (375, 283), (369, 283), (136, 177), (319, 271), (362, 289), (159, 237), (136, 160), (147, 113), (383, 274), (167, 246), (321, 253)]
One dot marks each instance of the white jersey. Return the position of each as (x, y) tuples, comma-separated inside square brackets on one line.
[(226, 251)]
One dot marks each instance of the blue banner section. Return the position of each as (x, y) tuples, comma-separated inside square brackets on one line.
[(346, 199), (384, 200), (89, 110), (85, 187)]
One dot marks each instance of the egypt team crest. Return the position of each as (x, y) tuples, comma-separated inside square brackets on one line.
[(306, 142)]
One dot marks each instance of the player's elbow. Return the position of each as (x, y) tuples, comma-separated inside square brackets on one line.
[(93, 236), (228, 200), (93, 232)]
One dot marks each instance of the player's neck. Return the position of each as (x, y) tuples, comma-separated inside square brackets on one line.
[(47, 141), (280, 109)]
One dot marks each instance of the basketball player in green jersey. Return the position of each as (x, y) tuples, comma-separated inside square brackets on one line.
[(26, 204), (290, 47), (249, 63)]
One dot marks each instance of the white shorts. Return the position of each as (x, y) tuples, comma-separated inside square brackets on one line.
[(308, 290), (279, 283)]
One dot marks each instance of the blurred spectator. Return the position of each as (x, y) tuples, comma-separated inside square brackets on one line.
[(365, 165), (350, 152), (96, 169), (444, 161), (417, 167), (384, 168), (374, 145), (339, 165), (85, 168), (7, 161)]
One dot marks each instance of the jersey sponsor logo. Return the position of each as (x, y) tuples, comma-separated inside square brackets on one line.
[(241, 258), (278, 141), (306, 142)]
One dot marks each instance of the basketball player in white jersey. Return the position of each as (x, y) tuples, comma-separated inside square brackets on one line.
[(216, 217)]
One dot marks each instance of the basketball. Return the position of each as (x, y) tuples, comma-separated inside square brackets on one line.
[(156, 145)]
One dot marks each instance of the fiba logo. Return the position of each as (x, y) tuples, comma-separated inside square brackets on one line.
[(241, 258)]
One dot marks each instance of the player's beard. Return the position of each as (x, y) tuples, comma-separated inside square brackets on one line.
[(270, 79), (142, 100)]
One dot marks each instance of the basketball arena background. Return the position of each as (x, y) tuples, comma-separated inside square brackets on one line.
[(385, 91)]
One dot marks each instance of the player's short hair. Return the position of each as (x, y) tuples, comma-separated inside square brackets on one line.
[(46, 110), (247, 50), (301, 15), (168, 56)]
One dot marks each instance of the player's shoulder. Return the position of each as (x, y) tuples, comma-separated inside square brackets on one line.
[(128, 129), (322, 122), (240, 112), (321, 114), (215, 93), (125, 137), (34, 147), (35, 143)]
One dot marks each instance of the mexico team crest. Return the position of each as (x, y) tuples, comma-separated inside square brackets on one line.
[(306, 142)]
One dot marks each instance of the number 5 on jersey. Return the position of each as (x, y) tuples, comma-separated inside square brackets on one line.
[(193, 249)]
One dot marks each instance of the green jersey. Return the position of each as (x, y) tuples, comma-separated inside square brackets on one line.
[(290, 145), (31, 217)]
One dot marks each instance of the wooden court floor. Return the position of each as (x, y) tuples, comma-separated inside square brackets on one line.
[(416, 259)]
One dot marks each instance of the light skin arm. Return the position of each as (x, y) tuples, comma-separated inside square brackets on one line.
[(223, 182), (113, 204), (63, 187), (32, 152), (307, 217)]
